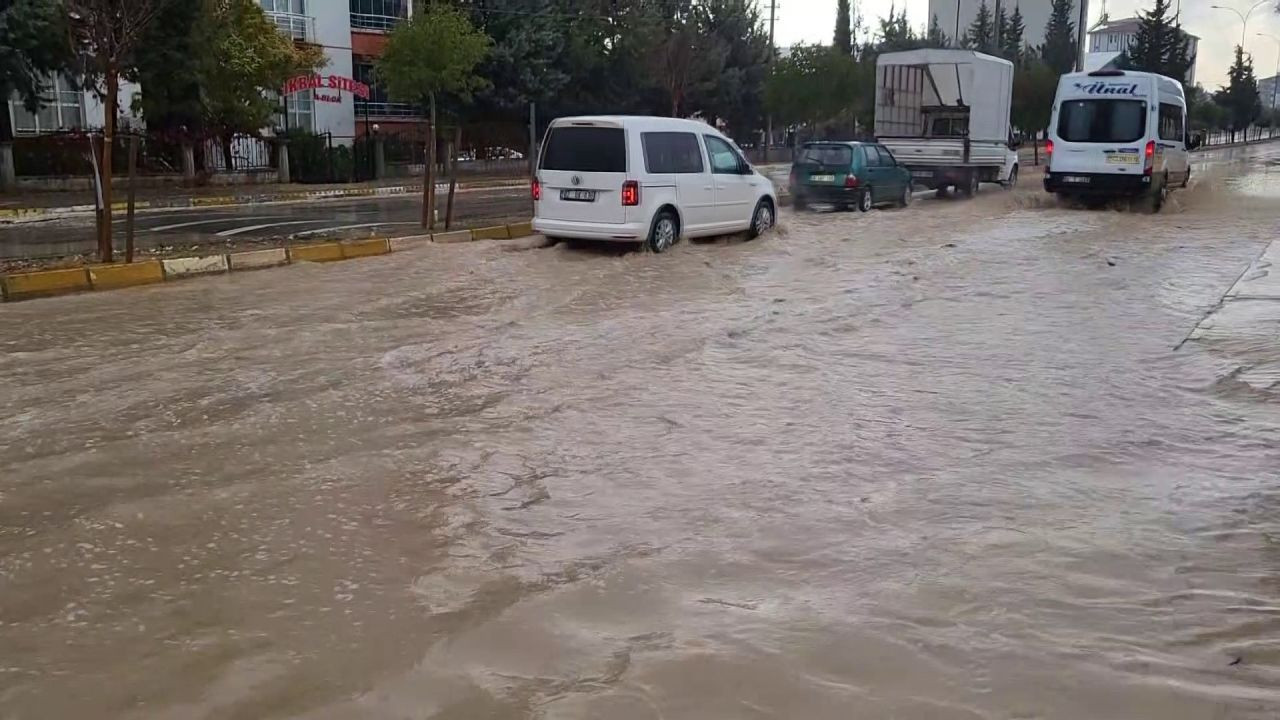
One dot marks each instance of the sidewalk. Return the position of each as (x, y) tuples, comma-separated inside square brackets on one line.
[(37, 206)]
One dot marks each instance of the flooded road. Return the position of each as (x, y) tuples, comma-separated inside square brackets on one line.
[(942, 462)]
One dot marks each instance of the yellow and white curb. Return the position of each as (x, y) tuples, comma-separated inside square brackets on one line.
[(45, 283)]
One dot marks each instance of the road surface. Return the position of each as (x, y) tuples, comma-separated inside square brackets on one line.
[(941, 462), (309, 220)]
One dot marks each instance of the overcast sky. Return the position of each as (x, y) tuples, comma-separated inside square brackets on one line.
[(1219, 30)]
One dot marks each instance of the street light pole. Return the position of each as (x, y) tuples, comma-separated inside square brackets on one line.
[(1244, 17)]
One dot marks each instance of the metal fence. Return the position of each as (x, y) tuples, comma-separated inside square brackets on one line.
[(246, 153)]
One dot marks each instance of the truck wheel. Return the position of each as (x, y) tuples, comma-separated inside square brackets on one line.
[(970, 186), (940, 192), (1012, 181)]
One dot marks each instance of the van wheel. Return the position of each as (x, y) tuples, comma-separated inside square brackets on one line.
[(761, 219), (864, 201), (1186, 178), (664, 232)]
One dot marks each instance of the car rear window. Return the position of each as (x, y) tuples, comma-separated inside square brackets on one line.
[(1102, 121), (585, 149), (825, 155)]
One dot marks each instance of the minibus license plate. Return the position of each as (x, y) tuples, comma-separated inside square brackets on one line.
[(578, 195), (1079, 179), (1122, 159)]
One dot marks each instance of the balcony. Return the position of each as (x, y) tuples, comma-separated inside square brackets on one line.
[(377, 109), (377, 15), (302, 28)]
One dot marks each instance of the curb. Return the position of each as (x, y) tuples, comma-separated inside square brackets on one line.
[(37, 214), (46, 283)]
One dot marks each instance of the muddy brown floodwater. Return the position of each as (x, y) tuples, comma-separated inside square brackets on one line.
[(941, 462)]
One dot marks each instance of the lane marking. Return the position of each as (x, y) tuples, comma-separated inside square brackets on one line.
[(353, 227), (209, 222), (251, 228)]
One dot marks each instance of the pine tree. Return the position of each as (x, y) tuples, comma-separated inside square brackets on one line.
[(1002, 29), (844, 28), (981, 33), (1160, 45), (1059, 49), (1013, 37), (1240, 96), (936, 37)]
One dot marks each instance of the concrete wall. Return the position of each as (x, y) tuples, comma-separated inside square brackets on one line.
[(333, 33)]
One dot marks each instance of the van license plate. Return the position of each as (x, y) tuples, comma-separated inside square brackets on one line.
[(1080, 179), (578, 195), (1122, 159), (822, 178)]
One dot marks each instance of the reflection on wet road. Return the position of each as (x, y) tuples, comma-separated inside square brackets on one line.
[(941, 462)]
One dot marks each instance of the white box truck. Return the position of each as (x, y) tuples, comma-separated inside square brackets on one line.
[(944, 114)]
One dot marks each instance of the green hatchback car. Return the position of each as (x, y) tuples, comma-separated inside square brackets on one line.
[(848, 174)]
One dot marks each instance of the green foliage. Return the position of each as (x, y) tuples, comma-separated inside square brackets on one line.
[(844, 28), (981, 35), (813, 85), (730, 73), (1059, 49), (32, 43), (1034, 85), (895, 34), (1160, 45), (1012, 40), (936, 37), (1240, 97), (435, 52), (171, 62), (1203, 111)]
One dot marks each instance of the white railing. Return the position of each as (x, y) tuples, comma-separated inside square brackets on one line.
[(386, 109), (367, 21), (299, 27)]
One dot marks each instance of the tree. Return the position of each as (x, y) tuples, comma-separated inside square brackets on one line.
[(1240, 96), (32, 45), (170, 66), (729, 76), (433, 53), (1059, 49), (248, 57), (1034, 85), (813, 86), (844, 28), (1159, 45), (981, 34), (1012, 38), (107, 33), (936, 37)]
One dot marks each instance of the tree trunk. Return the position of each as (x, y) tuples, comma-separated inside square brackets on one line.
[(108, 139), (8, 177), (429, 174), (228, 157), (133, 187)]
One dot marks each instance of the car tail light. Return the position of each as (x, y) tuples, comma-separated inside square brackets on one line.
[(1150, 157), (851, 180), (795, 176), (630, 193), (537, 190)]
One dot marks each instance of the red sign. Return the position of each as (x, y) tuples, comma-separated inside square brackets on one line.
[(330, 82)]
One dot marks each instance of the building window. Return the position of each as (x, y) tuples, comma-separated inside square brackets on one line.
[(61, 108), (379, 103), (291, 17), (377, 14), (302, 111)]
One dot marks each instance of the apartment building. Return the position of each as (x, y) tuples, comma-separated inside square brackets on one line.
[(1110, 39), (343, 98)]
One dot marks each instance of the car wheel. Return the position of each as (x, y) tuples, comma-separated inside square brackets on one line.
[(864, 201), (664, 232), (799, 202), (905, 200), (1012, 181), (761, 219)]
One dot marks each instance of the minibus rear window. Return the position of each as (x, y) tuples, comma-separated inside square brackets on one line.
[(1102, 121)]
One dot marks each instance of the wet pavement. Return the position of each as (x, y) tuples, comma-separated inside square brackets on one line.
[(941, 462), (308, 220)]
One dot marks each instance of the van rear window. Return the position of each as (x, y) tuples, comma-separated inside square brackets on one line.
[(1102, 121), (585, 149)]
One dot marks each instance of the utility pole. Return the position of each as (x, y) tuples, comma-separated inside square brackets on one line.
[(773, 51), (1082, 29), (997, 31)]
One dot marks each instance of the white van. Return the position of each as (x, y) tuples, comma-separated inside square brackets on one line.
[(649, 180), (1118, 133)]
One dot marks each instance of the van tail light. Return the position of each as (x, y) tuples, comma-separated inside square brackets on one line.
[(1048, 150), (630, 193), (1149, 157), (536, 188), (851, 180)]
